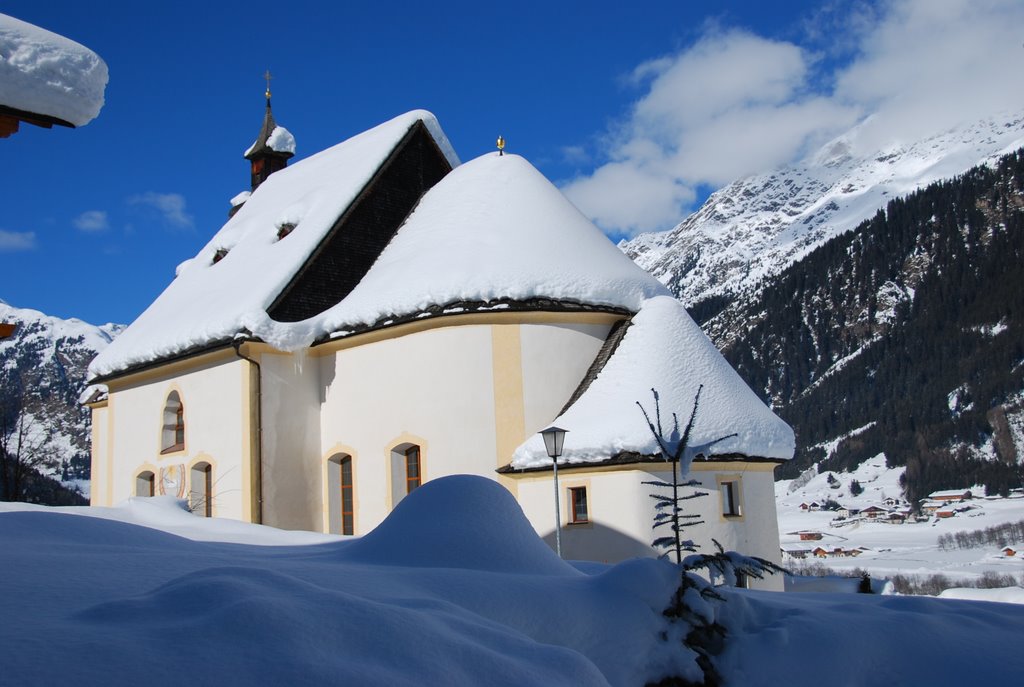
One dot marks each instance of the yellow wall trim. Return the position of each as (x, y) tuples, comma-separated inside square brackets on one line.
[(509, 404)]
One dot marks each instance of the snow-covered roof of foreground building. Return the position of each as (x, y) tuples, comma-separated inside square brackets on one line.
[(44, 73), (663, 349), (492, 232), (495, 229)]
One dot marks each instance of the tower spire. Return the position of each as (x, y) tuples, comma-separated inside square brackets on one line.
[(273, 147)]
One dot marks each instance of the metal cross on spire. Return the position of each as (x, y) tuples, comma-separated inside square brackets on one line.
[(268, 77)]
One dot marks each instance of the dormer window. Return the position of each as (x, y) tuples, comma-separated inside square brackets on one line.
[(284, 229), (220, 255), (173, 434)]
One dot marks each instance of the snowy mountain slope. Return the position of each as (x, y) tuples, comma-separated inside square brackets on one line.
[(906, 332), (43, 371), (757, 226)]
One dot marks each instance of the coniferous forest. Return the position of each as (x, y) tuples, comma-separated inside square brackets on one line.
[(907, 334)]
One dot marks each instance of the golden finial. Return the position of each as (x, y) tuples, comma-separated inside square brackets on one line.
[(501, 144), (268, 77)]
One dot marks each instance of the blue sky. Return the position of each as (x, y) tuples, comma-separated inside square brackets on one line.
[(636, 110)]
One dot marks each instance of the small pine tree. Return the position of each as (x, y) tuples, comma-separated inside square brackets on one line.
[(676, 449), (704, 635), (855, 488)]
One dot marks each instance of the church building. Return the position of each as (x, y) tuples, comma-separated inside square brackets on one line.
[(379, 315)]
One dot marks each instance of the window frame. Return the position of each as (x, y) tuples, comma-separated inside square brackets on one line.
[(346, 495), (148, 477), (418, 477), (731, 494), (172, 434), (201, 471), (574, 514)]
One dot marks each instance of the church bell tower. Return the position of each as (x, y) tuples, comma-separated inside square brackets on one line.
[(273, 147)]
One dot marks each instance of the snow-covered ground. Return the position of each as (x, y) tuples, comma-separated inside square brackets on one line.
[(455, 588), (909, 549)]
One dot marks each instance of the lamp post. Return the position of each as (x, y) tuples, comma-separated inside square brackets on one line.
[(554, 438)]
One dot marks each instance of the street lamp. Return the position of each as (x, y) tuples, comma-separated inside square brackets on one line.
[(554, 437)]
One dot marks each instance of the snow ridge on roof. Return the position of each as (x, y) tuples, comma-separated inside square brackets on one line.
[(45, 73), (664, 349)]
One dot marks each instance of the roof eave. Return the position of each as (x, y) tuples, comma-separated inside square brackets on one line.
[(632, 458)]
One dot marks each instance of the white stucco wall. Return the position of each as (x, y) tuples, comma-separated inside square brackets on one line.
[(215, 421), (291, 393), (431, 388), (621, 512), (555, 358), (467, 395)]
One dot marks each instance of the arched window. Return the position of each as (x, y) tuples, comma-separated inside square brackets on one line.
[(341, 497), (173, 436), (406, 471), (200, 495), (145, 484)]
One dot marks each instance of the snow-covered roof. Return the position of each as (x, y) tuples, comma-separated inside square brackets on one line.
[(47, 74), (663, 349), (281, 140), (210, 302), (492, 229), (240, 198)]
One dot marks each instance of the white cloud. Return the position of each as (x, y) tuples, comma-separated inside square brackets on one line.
[(92, 221), (930, 65), (171, 207), (11, 241), (734, 103)]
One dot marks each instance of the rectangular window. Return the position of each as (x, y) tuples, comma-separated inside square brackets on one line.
[(412, 468), (730, 498), (578, 500)]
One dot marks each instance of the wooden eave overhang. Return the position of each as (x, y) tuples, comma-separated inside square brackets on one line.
[(435, 316), (462, 308), (183, 356), (632, 458), (34, 118)]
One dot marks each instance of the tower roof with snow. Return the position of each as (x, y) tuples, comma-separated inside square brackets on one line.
[(306, 258), (273, 139), (662, 349)]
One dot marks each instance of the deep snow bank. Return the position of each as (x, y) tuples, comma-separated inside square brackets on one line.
[(450, 591)]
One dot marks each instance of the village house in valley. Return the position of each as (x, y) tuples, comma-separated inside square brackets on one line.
[(378, 315)]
